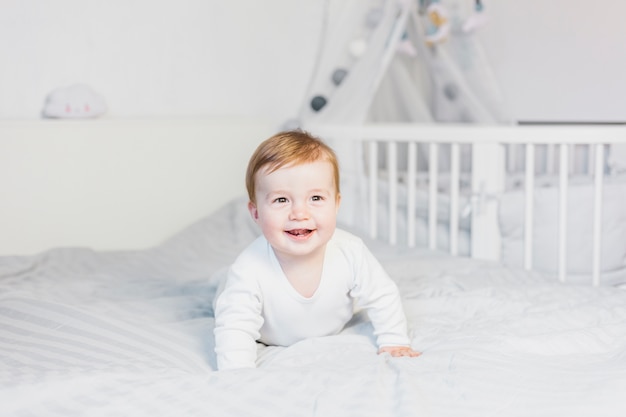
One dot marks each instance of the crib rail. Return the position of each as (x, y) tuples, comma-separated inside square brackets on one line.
[(488, 173)]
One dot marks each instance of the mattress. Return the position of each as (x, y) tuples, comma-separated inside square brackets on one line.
[(85, 333)]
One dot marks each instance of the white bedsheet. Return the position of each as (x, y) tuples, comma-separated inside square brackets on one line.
[(130, 334)]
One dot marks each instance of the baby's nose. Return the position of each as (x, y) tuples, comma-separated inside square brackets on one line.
[(299, 211)]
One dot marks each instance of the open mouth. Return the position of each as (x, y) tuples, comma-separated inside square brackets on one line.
[(299, 232)]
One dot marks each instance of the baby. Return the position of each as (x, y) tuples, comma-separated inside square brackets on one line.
[(302, 277)]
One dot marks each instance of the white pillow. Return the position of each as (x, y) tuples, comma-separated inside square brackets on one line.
[(617, 158), (579, 230)]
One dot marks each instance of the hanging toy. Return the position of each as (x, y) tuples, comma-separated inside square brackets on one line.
[(357, 48), (476, 19), (338, 75), (318, 102), (438, 24), (451, 91), (406, 47)]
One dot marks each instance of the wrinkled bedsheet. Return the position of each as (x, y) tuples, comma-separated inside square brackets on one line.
[(86, 333)]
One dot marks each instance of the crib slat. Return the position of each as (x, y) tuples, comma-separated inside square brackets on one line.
[(591, 157), (563, 184), (528, 213), (487, 180), (511, 161), (373, 188), (433, 178), (455, 167), (392, 178), (412, 193), (550, 159), (597, 213)]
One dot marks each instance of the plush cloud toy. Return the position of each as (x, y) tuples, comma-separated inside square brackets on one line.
[(76, 101)]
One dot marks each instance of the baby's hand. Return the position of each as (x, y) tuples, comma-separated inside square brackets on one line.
[(397, 351)]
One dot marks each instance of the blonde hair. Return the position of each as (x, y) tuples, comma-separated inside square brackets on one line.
[(293, 147)]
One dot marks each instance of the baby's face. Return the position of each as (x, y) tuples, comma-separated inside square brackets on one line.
[(296, 208)]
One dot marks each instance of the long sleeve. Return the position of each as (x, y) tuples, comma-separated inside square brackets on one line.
[(375, 292), (237, 322)]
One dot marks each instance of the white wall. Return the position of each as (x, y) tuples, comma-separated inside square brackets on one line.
[(159, 57), (559, 59), (555, 60), (117, 183)]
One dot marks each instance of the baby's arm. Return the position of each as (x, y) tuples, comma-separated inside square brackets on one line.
[(237, 323), (378, 294)]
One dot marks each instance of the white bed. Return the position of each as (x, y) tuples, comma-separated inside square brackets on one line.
[(87, 332)]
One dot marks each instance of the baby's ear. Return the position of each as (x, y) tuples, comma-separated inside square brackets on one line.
[(253, 211)]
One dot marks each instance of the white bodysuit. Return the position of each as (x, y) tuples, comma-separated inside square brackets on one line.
[(259, 304)]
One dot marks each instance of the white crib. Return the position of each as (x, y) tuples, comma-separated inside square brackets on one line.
[(491, 153)]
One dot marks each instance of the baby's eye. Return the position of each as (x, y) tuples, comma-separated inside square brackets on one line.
[(280, 200), (317, 198)]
